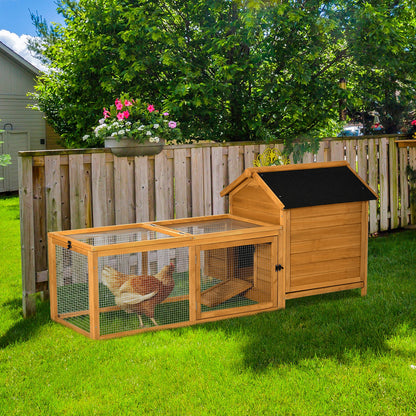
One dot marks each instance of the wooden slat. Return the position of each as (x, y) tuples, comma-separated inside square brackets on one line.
[(312, 257), (99, 189), (163, 188), (235, 162), (39, 217), (362, 159), (373, 182), (325, 221), (325, 232), (393, 184), (384, 184), (218, 180), (412, 163), (336, 150), (77, 195), (197, 175), (332, 209), (250, 155), (124, 190), (27, 236), (351, 155), (404, 188), (181, 184), (323, 290), (323, 267), (206, 154), (53, 193), (325, 243), (141, 174)]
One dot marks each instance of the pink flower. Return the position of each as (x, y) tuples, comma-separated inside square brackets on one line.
[(106, 113), (126, 114), (150, 108), (166, 114), (118, 104), (128, 103), (120, 116), (172, 124), (413, 123)]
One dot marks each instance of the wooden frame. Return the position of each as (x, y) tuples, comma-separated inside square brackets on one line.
[(258, 235)]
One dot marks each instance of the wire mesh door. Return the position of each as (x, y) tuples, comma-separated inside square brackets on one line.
[(235, 278), (143, 290)]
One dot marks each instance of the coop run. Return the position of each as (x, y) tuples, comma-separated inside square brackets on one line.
[(119, 280)]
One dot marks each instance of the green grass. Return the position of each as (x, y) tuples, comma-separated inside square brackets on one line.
[(324, 355)]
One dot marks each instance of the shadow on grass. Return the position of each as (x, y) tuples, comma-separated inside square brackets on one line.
[(24, 329), (337, 325)]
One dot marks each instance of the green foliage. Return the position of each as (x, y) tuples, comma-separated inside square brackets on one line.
[(230, 70)]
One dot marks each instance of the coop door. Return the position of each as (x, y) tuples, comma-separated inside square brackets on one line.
[(235, 277), (143, 290)]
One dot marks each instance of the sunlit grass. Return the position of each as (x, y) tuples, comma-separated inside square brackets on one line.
[(325, 355)]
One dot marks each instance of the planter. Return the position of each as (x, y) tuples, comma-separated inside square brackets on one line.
[(130, 147)]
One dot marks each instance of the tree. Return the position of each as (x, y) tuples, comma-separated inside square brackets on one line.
[(228, 69)]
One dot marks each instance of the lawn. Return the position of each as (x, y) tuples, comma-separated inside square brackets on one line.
[(325, 355)]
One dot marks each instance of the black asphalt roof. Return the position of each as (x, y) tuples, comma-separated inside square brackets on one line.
[(321, 186)]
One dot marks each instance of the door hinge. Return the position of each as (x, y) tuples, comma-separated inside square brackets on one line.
[(69, 245), (279, 267)]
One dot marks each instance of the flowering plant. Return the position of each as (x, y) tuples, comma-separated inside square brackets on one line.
[(133, 119), (411, 132)]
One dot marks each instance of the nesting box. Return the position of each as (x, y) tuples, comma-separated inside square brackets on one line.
[(323, 211), (120, 280)]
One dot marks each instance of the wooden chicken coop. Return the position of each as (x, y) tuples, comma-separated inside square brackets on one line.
[(323, 211), (292, 231), (120, 280)]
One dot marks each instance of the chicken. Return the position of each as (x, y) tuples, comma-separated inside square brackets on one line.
[(139, 294)]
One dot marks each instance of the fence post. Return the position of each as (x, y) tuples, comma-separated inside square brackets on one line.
[(27, 236)]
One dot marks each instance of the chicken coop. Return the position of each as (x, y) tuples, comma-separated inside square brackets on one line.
[(323, 211), (292, 231), (119, 280)]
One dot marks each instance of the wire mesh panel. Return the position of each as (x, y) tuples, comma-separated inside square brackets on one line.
[(72, 287), (143, 290), (233, 277), (212, 226)]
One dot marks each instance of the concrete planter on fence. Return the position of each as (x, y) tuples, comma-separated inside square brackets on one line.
[(130, 147)]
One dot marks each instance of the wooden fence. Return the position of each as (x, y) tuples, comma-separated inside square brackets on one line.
[(72, 189)]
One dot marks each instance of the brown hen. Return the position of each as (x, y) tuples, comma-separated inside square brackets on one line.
[(139, 294)]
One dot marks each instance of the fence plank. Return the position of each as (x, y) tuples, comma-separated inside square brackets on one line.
[(336, 148), (235, 162), (362, 159), (207, 173), (250, 155), (218, 180), (351, 155), (125, 201), (76, 191), (393, 183), (53, 193), (197, 175), (384, 184), (39, 217), (373, 182), (163, 188), (141, 173), (320, 156), (27, 236), (99, 190), (412, 163), (181, 184), (404, 188)]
